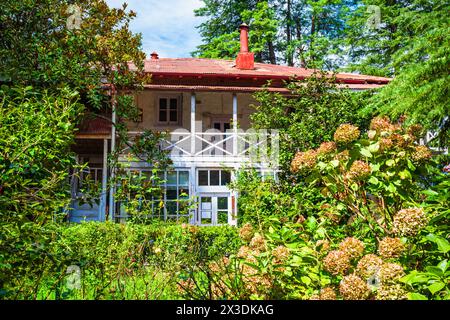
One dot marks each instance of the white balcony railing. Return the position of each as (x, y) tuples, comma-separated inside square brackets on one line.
[(228, 144), (256, 146)]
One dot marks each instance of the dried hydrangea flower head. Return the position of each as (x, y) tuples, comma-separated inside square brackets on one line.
[(343, 156), (327, 293), (194, 229), (359, 170), (247, 253), (303, 161), (408, 222), (415, 130), (390, 272), (258, 242), (382, 124), (391, 292), (398, 140), (390, 248), (421, 154), (346, 133), (326, 148), (352, 247), (337, 262), (246, 232), (186, 285), (323, 245), (368, 266), (280, 254), (353, 287), (385, 144)]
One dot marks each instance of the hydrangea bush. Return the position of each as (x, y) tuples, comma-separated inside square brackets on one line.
[(368, 219)]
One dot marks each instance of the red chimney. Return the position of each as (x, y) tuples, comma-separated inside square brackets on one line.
[(154, 56), (245, 60)]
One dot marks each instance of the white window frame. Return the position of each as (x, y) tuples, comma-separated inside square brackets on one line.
[(179, 110)]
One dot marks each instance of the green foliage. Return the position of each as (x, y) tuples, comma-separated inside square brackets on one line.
[(37, 48), (36, 132), (310, 115), (280, 31), (379, 198), (115, 261), (412, 44)]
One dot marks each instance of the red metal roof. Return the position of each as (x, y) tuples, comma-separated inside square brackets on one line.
[(199, 88), (226, 68), (94, 126)]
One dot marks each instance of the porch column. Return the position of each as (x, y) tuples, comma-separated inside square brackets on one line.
[(113, 146), (104, 180), (235, 125), (193, 124)]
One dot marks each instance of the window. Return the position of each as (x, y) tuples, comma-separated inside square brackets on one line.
[(169, 110), (169, 202), (214, 177)]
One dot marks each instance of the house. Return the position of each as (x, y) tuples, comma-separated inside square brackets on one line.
[(205, 104)]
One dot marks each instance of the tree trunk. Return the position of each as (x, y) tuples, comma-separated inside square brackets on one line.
[(300, 47), (290, 58), (272, 57)]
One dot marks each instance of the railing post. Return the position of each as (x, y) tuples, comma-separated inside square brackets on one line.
[(192, 124), (113, 146), (104, 180), (235, 125)]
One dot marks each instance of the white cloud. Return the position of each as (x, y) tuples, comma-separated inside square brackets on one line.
[(167, 27)]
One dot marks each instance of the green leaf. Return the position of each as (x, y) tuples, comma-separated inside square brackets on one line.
[(434, 271), (365, 152), (334, 163), (416, 296), (306, 280), (414, 277), (411, 166), (391, 188), (405, 174), (435, 287), (373, 180), (443, 265), (443, 245), (374, 147), (390, 163), (354, 186)]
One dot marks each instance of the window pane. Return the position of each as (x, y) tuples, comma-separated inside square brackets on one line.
[(226, 126), (183, 178), (216, 125), (214, 178), (161, 177), (173, 104), (162, 104), (225, 177), (162, 115), (173, 116), (183, 193), (206, 203), (203, 178), (222, 217), (171, 193), (222, 203), (172, 178), (171, 207)]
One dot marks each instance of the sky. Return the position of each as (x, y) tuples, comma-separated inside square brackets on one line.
[(167, 26)]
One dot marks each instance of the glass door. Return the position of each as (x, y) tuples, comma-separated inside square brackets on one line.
[(214, 209)]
